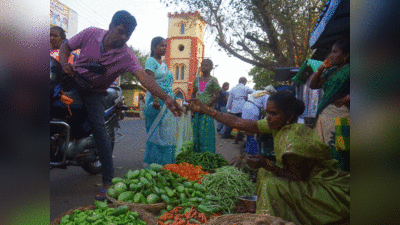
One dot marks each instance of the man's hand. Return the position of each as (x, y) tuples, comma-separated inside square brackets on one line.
[(156, 105), (68, 69), (196, 106), (174, 106)]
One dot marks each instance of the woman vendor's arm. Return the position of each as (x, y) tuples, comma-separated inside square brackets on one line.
[(233, 121), (295, 167), (217, 93), (317, 81)]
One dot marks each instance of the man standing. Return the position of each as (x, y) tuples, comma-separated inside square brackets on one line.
[(106, 50), (237, 98), (222, 101)]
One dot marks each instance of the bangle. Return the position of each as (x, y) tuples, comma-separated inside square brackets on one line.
[(215, 112)]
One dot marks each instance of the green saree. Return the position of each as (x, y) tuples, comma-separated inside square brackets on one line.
[(203, 125), (323, 199)]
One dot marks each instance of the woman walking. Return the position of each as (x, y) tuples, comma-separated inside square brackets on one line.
[(161, 124), (207, 90)]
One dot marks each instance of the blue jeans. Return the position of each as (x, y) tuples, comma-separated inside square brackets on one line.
[(219, 124), (95, 106), (226, 130)]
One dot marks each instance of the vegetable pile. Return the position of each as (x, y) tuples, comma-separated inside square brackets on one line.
[(103, 215), (206, 160), (159, 185), (228, 183), (186, 170), (187, 147), (179, 216)]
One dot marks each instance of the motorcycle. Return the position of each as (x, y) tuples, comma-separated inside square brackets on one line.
[(71, 140)]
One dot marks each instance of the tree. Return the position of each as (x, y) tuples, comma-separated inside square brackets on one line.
[(265, 33), (128, 79), (262, 78)]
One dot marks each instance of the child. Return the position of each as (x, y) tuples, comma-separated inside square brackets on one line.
[(207, 90)]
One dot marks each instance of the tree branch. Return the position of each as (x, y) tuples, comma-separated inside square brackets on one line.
[(258, 41), (268, 26), (264, 65), (245, 48)]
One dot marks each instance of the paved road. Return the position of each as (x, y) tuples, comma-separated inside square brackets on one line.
[(74, 187)]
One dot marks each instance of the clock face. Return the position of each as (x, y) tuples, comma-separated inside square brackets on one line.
[(181, 47)]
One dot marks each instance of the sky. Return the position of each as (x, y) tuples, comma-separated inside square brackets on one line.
[(152, 19)]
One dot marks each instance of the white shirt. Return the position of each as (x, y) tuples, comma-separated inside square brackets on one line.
[(251, 109), (237, 97)]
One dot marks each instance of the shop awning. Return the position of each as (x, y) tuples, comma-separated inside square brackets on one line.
[(333, 22)]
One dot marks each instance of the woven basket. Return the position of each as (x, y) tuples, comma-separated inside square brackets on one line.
[(144, 215), (153, 208), (247, 219)]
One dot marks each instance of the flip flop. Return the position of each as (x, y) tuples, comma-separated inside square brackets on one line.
[(101, 198)]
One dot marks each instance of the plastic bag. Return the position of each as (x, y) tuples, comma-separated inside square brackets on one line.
[(185, 134), (309, 63)]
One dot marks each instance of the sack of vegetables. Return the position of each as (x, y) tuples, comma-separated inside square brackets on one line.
[(102, 213)]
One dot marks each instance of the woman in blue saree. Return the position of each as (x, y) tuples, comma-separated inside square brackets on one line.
[(161, 124)]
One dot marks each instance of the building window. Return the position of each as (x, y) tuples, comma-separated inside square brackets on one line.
[(177, 73), (182, 72), (183, 29), (181, 47)]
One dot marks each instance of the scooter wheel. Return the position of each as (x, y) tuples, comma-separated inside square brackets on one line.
[(92, 168)]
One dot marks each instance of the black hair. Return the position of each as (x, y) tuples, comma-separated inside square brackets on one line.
[(225, 84), (154, 43), (62, 31), (343, 43), (288, 103), (211, 62), (126, 19), (242, 80), (141, 97)]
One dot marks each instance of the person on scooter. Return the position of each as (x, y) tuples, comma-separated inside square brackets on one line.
[(107, 50), (58, 37)]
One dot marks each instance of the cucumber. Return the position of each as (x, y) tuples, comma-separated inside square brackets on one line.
[(153, 198), (125, 196), (143, 200), (156, 167), (135, 174), (117, 180), (120, 210), (137, 197)]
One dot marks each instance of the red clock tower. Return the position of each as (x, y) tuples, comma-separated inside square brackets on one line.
[(185, 50)]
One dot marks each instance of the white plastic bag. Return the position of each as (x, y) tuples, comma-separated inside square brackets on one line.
[(185, 133)]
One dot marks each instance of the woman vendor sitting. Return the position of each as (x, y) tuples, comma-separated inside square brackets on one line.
[(305, 186)]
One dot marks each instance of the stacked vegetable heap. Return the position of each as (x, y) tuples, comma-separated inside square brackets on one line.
[(159, 185), (207, 160), (103, 215)]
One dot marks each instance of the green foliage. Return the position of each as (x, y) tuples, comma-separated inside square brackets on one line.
[(127, 79), (265, 33), (262, 78)]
